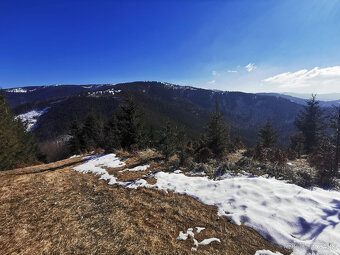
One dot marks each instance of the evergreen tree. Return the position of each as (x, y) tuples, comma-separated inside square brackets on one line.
[(267, 136), (216, 134), (323, 161), (335, 125), (74, 143), (131, 127), (297, 142), (311, 124), (111, 135), (17, 144), (171, 140), (93, 131)]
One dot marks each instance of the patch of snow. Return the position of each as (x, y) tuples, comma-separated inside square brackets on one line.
[(135, 169), (17, 90), (184, 236), (199, 229), (296, 218), (177, 171), (75, 156), (306, 221), (99, 93), (209, 240), (195, 172), (266, 252), (96, 163), (31, 117)]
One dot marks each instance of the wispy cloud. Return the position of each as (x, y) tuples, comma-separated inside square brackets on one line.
[(212, 82), (232, 71), (250, 67), (214, 73), (327, 77)]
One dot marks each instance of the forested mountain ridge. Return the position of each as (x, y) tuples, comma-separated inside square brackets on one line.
[(188, 106)]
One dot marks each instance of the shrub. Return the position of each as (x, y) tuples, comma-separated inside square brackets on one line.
[(53, 150), (203, 167), (303, 179), (323, 165), (224, 167), (203, 155), (277, 156)]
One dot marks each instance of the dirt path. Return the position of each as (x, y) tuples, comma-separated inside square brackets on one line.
[(51, 209)]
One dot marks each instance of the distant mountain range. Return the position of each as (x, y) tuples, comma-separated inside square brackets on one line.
[(322, 97), (326, 100), (188, 106)]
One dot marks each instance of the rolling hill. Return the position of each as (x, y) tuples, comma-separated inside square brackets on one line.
[(188, 106)]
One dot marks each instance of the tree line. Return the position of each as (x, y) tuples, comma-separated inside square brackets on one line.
[(318, 137), (17, 145), (128, 130)]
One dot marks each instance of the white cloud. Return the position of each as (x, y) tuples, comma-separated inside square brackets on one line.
[(250, 67), (212, 82), (214, 73), (328, 78), (232, 71)]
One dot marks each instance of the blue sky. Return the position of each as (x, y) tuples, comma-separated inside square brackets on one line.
[(262, 45)]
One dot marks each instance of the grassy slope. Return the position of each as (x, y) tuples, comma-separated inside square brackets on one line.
[(50, 209)]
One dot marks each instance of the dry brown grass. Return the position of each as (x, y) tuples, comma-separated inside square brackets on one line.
[(51, 209)]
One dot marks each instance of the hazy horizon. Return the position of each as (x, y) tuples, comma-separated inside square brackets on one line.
[(324, 96)]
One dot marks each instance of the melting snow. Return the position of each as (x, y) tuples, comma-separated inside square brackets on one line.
[(209, 240), (266, 252), (306, 221), (17, 90), (135, 169), (95, 165), (199, 229), (31, 117), (184, 236)]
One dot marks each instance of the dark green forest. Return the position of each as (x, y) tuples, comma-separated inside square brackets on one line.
[(187, 122)]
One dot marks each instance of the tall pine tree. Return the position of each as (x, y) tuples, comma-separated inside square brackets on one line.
[(267, 136), (93, 131), (335, 125), (111, 134), (171, 139), (74, 144), (131, 126), (17, 144), (310, 123), (216, 134)]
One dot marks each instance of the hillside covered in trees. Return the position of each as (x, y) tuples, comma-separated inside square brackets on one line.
[(187, 106), (191, 123)]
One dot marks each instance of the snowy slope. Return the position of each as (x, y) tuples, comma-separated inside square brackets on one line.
[(31, 117), (306, 221)]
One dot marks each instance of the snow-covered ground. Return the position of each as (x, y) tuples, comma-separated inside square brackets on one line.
[(306, 221), (17, 90), (31, 117), (266, 252), (136, 169), (190, 232)]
